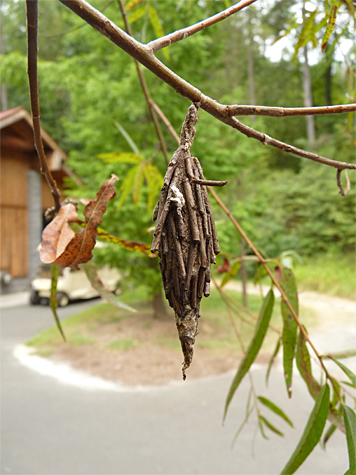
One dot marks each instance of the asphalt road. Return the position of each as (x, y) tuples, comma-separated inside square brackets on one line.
[(52, 428)]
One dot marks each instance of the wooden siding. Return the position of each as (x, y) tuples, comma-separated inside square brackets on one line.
[(14, 241)]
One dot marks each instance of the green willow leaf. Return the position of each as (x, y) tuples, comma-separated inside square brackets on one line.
[(53, 299), (274, 356), (350, 426), (331, 17), (124, 157), (127, 185), (127, 137), (304, 366), (271, 426), (290, 327), (158, 29), (102, 291), (137, 14), (254, 347), (312, 432), (277, 410), (328, 434), (154, 180), (347, 371), (138, 182)]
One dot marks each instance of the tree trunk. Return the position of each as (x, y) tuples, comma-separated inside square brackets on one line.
[(308, 97), (159, 308)]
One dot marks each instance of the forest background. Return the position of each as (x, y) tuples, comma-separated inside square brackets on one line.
[(91, 104)]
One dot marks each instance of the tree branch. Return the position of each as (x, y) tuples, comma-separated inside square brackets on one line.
[(289, 111), (32, 27), (179, 35), (145, 56)]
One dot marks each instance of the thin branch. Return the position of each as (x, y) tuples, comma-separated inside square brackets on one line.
[(276, 283), (165, 121), (32, 27), (145, 56), (227, 297), (289, 111), (145, 88), (339, 184), (178, 35)]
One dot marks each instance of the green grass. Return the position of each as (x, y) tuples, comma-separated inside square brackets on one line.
[(78, 328), (328, 274), (122, 345), (215, 329)]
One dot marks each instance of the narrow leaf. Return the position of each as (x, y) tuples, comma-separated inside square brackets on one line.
[(53, 300), (137, 183), (120, 157), (328, 434), (158, 29), (131, 4), (102, 291), (260, 424), (277, 410), (127, 186), (312, 432), (290, 327), (274, 356), (128, 245), (347, 371), (271, 426), (331, 16), (254, 347), (304, 366), (350, 426), (127, 137), (136, 15), (154, 180)]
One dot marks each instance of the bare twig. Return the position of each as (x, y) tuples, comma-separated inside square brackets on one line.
[(289, 111), (145, 56), (339, 184), (145, 89), (178, 35), (207, 182), (165, 121), (32, 27)]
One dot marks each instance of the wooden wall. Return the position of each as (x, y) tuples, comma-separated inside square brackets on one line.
[(13, 217)]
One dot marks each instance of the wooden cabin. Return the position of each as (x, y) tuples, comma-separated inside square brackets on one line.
[(24, 197)]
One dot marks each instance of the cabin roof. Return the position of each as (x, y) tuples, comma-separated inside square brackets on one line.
[(16, 130)]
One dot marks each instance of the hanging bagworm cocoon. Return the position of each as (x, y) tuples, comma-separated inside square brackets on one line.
[(185, 236)]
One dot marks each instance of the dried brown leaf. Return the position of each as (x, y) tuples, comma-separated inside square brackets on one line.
[(60, 245)]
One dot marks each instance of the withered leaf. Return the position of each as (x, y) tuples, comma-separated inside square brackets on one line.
[(225, 267), (60, 245)]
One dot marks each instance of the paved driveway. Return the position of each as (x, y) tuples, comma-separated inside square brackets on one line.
[(52, 428)]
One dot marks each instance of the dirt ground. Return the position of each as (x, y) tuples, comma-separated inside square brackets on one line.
[(148, 362)]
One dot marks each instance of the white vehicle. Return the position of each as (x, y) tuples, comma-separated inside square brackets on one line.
[(72, 285)]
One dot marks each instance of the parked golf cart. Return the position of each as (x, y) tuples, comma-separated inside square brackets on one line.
[(72, 285)]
